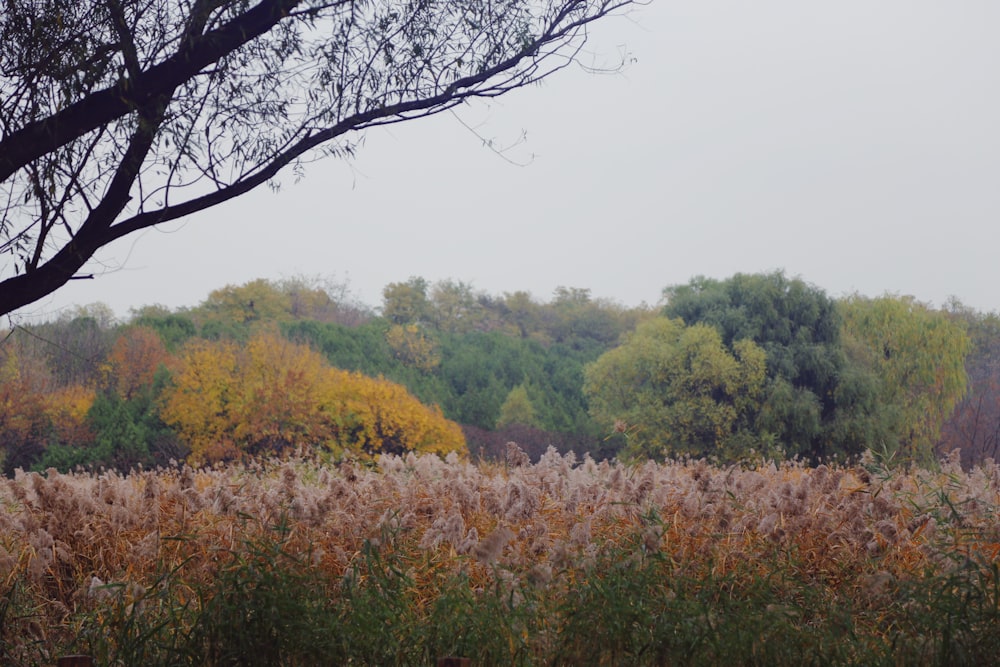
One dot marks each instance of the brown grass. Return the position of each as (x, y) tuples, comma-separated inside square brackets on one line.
[(854, 532)]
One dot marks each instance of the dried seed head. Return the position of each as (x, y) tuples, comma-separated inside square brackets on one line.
[(489, 549), (514, 456), (540, 575)]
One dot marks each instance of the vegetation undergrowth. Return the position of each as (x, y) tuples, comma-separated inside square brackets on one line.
[(562, 562)]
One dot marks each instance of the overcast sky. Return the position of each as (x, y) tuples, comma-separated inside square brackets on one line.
[(851, 143)]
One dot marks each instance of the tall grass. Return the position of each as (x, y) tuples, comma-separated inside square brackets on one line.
[(564, 562)]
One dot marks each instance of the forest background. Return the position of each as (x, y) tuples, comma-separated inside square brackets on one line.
[(753, 366)]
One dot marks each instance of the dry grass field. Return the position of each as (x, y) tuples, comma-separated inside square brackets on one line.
[(563, 561)]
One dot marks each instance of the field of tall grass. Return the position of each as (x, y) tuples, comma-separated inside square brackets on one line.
[(560, 562)]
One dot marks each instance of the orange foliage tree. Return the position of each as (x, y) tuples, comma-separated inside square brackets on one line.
[(23, 423), (228, 401), (134, 360), (34, 410)]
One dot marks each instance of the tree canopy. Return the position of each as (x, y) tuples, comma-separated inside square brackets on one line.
[(117, 115), (210, 382), (676, 389), (918, 355), (247, 372), (227, 401), (798, 327)]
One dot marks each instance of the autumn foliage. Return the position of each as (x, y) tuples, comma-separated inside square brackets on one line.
[(22, 407), (271, 396), (751, 366), (66, 409), (134, 359)]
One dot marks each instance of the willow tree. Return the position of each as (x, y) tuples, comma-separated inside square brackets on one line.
[(675, 389), (918, 355), (118, 115)]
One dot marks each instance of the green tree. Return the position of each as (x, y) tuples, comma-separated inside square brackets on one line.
[(407, 303), (118, 116), (798, 326), (473, 373), (479, 370), (363, 348), (127, 432), (456, 307), (918, 355), (174, 329), (577, 319), (517, 408), (522, 311), (676, 389)]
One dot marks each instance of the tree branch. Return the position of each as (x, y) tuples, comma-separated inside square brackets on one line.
[(97, 109), (167, 107)]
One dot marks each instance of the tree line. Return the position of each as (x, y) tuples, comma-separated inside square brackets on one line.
[(758, 365), (266, 367), (767, 363)]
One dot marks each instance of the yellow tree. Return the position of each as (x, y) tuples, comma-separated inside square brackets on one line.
[(517, 408), (197, 403), (307, 299), (455, 307), (256, 300), (406, 303), (413, 347), (278, 404), (66, 409), (228, 401), (377, 416)]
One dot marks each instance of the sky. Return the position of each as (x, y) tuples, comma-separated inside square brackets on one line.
[(853, 144)]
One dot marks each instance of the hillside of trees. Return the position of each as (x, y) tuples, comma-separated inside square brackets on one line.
[(758, 365)]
